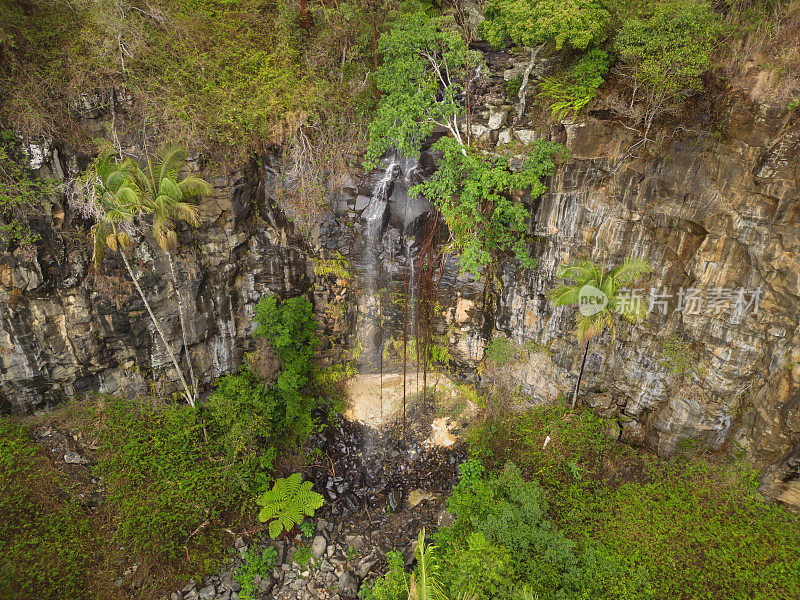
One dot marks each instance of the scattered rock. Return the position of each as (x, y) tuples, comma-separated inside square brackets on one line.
[(73, 458), (497, 116), (417, 496), (207, 593), (366, 565), (395, 500), (318, 546), (526, 136), (362, 202), (348, 585), (356, 542)]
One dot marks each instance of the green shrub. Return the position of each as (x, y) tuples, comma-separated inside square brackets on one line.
[(578, 86), (548, 443), (425, 64), (248, 421), (664, 48), (307, 528), (46, 540), (698, 530), (391, 585), (511, 516), (501, 351), (255, 564), (577, 23), (289, 326), (473, 192), (21, 198), (251, 418)]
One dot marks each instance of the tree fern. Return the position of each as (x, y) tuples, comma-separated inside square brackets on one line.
[(288, 502)]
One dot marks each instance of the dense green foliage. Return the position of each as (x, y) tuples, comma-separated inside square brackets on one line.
[(664, 48), (576, 23), (288, 502), (505, 517), (500, 351), (424, 74), (474, 192), (164, 481), (425, 63), (390, 586), (252, 418), (45, 538), (697, 530), (177, 475), (573, 90), (583, 516)]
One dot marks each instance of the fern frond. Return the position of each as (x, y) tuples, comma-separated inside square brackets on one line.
[(287, 504)]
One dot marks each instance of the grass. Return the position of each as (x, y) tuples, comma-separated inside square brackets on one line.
[(47, 539)]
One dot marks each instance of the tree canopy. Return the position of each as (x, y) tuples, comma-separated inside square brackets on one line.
[(575, 23)]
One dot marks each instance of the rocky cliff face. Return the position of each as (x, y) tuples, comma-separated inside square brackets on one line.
[(714, 204)]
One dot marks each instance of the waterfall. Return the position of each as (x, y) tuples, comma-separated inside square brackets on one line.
[(370, 331)]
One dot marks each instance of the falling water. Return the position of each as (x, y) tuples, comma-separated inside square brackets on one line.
[(370, 334)]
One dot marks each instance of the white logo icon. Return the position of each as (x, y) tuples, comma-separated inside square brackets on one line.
[(591, 300)]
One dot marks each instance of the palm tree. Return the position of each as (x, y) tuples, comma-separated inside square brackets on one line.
[(118, 202), (424, 582), (167, 198), (597, 295)]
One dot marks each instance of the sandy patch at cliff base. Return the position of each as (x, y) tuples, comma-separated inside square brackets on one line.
[(376, 401)]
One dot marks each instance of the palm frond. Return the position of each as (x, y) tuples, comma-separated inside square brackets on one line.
[(580, 271), (589, 326), (104, 165), (115, 179), (168, 187), (161, 232), (630, 270), (564, 295), (169, 161), (193, 187), (140, 177), (608, 287), (129, 197), (183, 211), (100, 232), (425, 583)]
